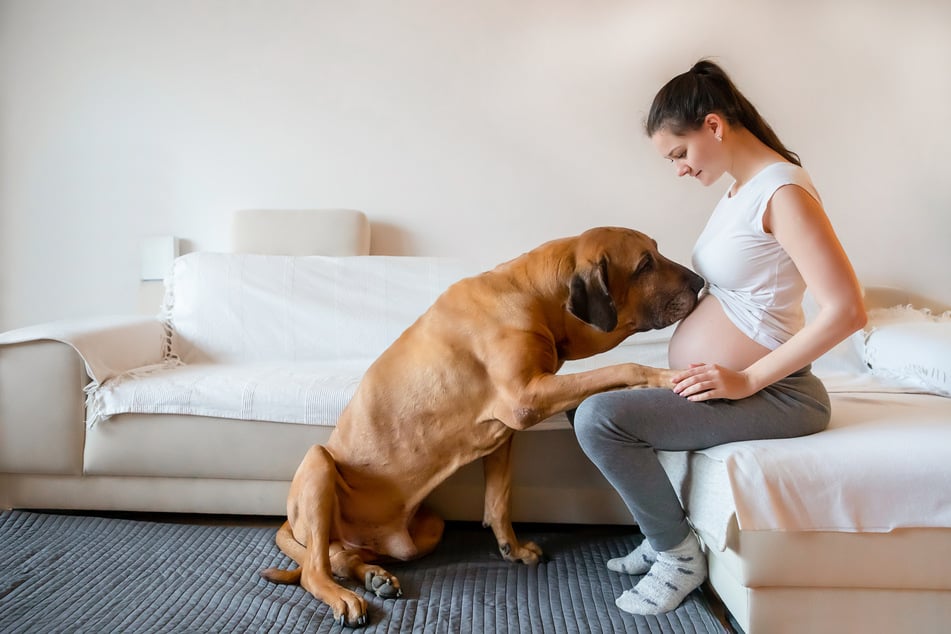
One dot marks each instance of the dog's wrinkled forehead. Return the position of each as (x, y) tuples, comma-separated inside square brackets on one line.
[(621, 246)]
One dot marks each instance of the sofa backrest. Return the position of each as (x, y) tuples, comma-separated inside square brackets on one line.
[(242, 308), (300, 232)]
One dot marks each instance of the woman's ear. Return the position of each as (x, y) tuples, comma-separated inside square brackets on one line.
[(714, 123)]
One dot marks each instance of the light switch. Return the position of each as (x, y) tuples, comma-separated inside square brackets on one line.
[(158, 253)]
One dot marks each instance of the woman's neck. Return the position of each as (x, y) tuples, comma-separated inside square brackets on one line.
[(749, 157)]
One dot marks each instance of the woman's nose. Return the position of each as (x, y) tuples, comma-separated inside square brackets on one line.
[(682, 168)]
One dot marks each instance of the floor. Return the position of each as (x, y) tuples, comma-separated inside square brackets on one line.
[(726, 620)]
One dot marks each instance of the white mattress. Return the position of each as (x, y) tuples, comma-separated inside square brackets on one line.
[(883, 464)]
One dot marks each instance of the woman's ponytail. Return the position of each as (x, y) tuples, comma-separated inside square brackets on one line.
[(683, 103)]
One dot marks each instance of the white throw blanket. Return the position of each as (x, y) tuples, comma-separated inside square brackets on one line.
[(226, 308)]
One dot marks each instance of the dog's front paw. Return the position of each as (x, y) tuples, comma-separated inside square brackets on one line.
[(660, 378), (348, 608), (527, 553), (350, 617), (382, 584)]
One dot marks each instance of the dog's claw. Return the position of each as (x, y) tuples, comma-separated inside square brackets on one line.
[(360, 621)]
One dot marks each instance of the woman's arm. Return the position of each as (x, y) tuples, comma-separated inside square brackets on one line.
[(802, 228)]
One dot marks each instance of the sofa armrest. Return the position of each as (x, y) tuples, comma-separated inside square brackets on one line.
[(44, 372), (41, 408), (108, 346)]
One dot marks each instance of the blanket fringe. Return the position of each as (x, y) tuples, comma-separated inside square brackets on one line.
[(93, 390), (165, 316)]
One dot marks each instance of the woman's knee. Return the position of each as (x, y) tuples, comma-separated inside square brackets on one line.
[(594, 420)]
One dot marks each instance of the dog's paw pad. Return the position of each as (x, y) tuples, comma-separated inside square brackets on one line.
[(386, 587), (531, 553)]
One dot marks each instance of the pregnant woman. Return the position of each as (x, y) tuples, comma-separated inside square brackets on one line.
[(745, 351)]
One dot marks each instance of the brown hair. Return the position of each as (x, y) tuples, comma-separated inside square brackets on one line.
[(681, 105)]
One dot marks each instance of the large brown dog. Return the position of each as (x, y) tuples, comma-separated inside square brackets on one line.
[(480, 364)]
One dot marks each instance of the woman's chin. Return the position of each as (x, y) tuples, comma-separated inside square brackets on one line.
[(704, 179)]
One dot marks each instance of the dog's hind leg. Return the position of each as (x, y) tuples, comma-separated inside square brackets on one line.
[(424, 532), (352, 563), (426, 529), (293, 549), (312, 508)]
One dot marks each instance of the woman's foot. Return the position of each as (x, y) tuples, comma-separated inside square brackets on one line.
[(637, 562), (675, 574)]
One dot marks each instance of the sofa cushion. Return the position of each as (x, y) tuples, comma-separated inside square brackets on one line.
[(242, 308), (168, 445)]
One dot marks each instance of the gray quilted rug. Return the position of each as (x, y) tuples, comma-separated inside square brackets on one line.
[(70, 573)]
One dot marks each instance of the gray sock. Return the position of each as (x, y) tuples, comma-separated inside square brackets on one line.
[(637, 562), (675, 574)]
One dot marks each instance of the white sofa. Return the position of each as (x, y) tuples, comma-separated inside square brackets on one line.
[(210, 407)]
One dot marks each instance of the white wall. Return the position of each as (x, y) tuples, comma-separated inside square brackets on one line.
[(461, 128)]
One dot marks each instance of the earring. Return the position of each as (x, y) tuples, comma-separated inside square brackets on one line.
[(719, 138)]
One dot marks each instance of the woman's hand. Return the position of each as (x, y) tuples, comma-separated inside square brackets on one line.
[(705, 381)]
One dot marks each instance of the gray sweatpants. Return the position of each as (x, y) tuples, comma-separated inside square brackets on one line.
[(620, 432)]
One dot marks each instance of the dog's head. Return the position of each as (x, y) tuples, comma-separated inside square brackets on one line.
[(621, 281)]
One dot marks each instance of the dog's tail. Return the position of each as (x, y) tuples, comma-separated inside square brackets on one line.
[(293, 549), (281, 575)]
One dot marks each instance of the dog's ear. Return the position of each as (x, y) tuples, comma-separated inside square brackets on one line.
[(589, 298)]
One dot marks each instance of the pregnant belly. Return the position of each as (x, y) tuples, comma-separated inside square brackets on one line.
[(708, 336)]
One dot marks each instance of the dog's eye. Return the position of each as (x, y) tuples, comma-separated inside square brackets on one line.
[(646, 263)]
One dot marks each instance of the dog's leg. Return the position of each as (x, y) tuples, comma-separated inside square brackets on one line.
[(426, 529), (293, 549), (351, 563), (312, 506), (547, 394), (424, 532), (497, 467)]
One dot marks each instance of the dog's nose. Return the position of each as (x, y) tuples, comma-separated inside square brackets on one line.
[(696, 282)]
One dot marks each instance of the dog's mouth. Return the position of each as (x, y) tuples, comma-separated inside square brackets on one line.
[(672, 312), (676, 309)]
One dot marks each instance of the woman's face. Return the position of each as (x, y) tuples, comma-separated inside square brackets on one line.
[(696, 153)]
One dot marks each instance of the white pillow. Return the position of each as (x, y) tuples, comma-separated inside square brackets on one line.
[(911, 345)]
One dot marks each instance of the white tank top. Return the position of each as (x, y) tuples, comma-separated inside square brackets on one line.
[(746, 269)]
